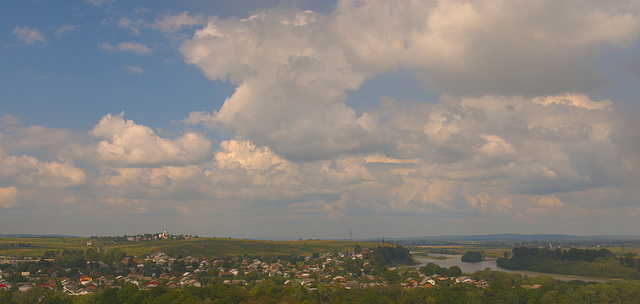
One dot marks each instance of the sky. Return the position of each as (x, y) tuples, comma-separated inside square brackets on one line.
[(307, 119)]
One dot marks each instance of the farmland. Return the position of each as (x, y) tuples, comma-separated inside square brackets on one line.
[(196, 247)]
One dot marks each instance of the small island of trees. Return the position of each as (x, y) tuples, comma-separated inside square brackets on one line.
[(472, 257)]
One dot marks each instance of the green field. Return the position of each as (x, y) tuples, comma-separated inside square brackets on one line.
[(200, 247), (39, 245)]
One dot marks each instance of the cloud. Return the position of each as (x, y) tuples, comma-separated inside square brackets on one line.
[(24, 34), (15, 138), (8, 196), (293, 68), (173, 23), (133, 26), (290, 87), (65, 29), (31, 171), (514, 140), (99, 2), (133, 69), (462, 155), (134, 47), (124, 143), (476, 48)]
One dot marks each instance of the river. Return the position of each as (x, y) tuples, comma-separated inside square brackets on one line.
[(455, 260)]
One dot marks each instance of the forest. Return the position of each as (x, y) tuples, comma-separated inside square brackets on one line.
[(580, 262), (503, 288)]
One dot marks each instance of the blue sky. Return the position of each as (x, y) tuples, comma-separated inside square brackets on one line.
[(307, 119)]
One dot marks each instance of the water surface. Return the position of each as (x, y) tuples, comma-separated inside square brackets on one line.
[(469, 268)]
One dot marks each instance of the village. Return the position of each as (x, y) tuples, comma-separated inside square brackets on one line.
[(349, 269)]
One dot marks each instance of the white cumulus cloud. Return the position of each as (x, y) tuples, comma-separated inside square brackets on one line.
[(28, 36), (8, 196), (172, 23), (124, 143), (496, 47), (25, 169), (134, 47), (133, 69), (63, 30), (293, 69)]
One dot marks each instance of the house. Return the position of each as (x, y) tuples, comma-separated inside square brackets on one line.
[(82, 292), (50, 286), (91, 286), (24, 287), (85, 279), (5, 286), (70, 288), (412, 282), (427, 283), (112, 285), (463, 280), (151, 284)]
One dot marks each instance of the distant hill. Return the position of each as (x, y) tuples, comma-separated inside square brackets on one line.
[(198, 247), (514, 237)]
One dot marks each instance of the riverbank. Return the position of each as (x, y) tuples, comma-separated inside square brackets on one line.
[(469, 268)]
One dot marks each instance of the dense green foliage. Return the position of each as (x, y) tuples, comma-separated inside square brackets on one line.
[(503, 288), (472, 257), (431, 269), (383, 256), (581, 262)]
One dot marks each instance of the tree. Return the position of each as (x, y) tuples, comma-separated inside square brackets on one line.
[(472, 257), (392, 276), (357, 249), (454, 271)]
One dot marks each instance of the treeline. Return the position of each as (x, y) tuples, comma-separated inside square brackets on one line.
[(431, 269), (503, 288), (383, 256), (19, 245), (580, 262)]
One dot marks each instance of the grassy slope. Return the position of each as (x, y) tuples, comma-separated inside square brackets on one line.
[(201, 247), (39, 245)]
